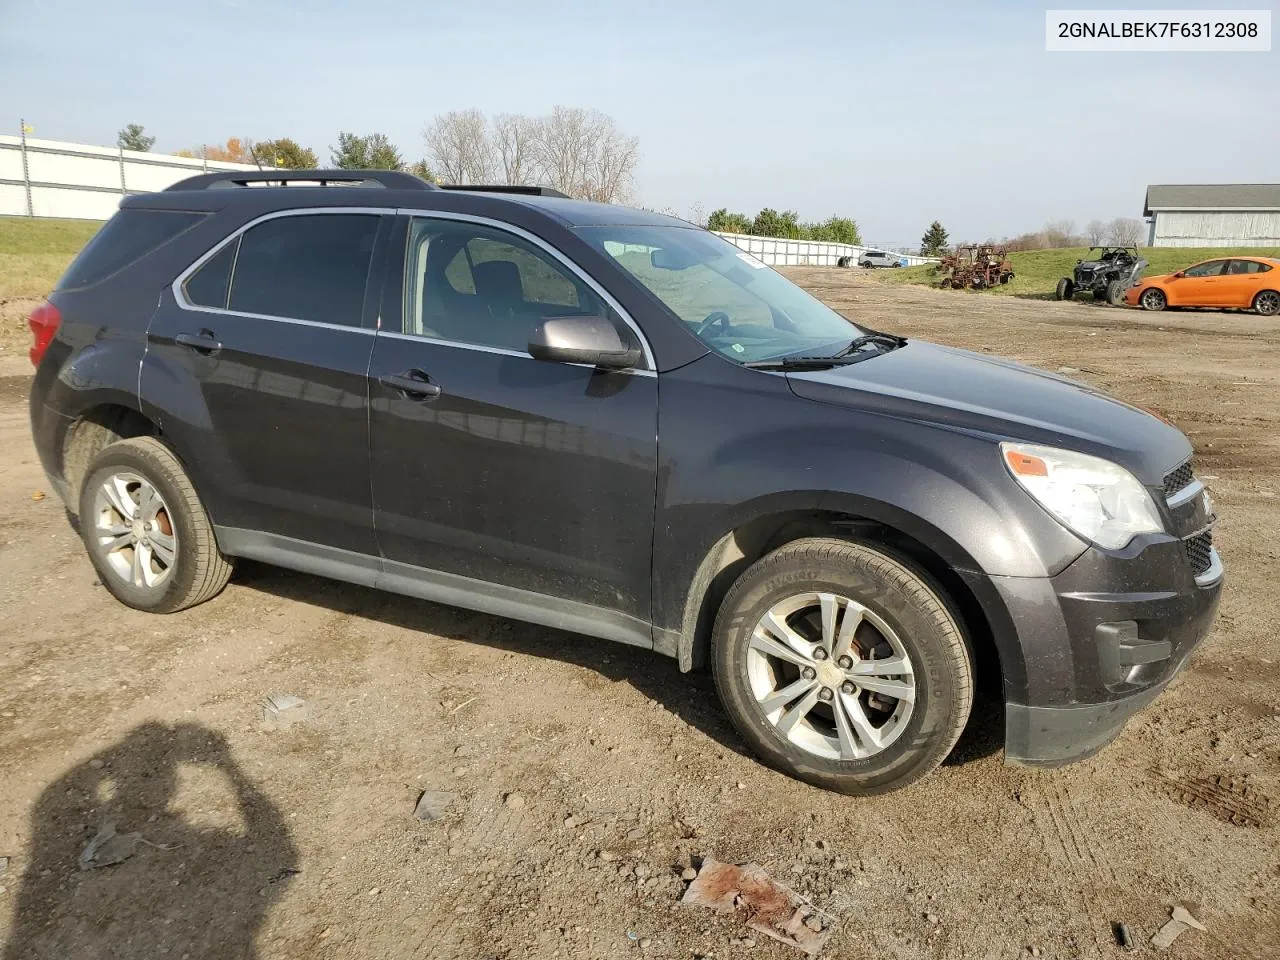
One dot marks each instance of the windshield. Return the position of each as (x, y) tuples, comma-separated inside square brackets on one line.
[(731, 301)]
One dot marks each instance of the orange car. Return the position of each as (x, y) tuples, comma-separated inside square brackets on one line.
[(1241, 283)]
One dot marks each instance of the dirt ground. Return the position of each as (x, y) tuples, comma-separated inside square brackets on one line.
[(585, 776)]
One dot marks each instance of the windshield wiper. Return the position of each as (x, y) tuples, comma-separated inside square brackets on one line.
[(886, 340), (810, 363)]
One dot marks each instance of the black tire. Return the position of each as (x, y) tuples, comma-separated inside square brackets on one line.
[(1066, 289), (904, 599), (199, 570), (1267, 303), (1115, 293), (1153, 299), (842, 262), (1006, 277)]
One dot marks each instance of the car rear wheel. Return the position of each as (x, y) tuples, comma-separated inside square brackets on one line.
[(1065, 289), (1267, 303), (842, 666), (1153, 299), (146, 531)]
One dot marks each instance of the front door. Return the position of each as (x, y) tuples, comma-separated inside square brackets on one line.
[(1199, 286), (261, 361), (493, 466)]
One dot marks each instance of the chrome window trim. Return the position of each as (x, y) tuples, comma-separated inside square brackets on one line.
[(180, 297), (500, 351), (651, 365), (1182, 495)]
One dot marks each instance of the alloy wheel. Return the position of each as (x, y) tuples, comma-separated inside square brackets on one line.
[(1267, 303), (831, 676), (133, 531)]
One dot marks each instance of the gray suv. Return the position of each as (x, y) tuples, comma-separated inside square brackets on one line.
[(615, 424), (879, 258)]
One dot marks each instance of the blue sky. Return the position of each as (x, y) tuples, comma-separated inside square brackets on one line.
[(895, 113)]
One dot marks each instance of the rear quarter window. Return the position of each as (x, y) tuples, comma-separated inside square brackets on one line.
[(126, 238)]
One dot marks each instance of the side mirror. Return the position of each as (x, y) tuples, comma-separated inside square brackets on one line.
[(591, 340), (1179, 275)]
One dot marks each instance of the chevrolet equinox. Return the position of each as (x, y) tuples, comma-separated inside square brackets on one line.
[(616, 424)]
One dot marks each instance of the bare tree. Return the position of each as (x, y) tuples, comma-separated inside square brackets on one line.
[(1095, 233), (698, 214), (460, 147), (582, 153), (1125, 232), (514, 137), (1060, 233)]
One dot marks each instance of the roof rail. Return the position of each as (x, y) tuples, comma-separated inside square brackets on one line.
[(520, 188), (391, 179)]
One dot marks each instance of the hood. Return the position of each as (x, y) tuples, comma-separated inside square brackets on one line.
[(968, 391)]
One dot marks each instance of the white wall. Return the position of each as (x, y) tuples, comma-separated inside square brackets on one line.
[(83, 182), (1226, 228), (804, 253)]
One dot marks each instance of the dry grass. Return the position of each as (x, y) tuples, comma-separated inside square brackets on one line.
[(34, 253)]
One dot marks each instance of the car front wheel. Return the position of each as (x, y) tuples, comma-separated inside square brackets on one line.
[(842, 666), (1153, 299), (146, 531)]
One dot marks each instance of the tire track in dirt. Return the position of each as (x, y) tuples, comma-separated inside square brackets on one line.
[(1082, 873), (1232, 800)]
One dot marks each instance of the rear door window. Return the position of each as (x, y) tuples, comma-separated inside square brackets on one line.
[(1246, 266), (126, 238), (311, 267), (209, 286)]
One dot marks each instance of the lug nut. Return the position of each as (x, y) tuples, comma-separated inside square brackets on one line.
[(825, 694), (819, 654), (845, 662), (808, 673), (847, 687)]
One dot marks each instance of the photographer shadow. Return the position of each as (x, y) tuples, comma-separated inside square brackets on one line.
[(163, 886)]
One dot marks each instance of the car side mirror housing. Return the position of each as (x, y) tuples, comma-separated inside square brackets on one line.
[(1179, 275), (594, 341)]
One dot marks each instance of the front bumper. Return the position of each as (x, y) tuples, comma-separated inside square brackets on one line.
[(1094, 657)]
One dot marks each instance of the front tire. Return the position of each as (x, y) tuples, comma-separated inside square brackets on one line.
[(146, 531), (1153, 299), (1065, 289), (842, 666), (1267, 303)]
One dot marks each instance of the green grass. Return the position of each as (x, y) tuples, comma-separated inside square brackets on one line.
[(34, 253), (1037, 272)]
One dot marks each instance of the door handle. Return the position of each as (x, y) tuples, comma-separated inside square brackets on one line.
[(412, 384), (203, 342)]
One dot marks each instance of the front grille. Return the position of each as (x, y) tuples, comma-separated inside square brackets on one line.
[(1178, 479), (1198, 548)]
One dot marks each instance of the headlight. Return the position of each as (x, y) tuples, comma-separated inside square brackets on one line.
[(1099, 500)]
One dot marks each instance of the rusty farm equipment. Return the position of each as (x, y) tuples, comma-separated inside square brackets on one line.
[(975, 267)]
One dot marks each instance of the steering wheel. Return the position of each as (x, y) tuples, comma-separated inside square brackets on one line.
[(711, 319)]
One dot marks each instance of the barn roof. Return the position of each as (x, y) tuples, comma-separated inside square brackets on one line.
[(1212, 196)]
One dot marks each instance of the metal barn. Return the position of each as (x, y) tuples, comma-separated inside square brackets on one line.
[(1213, 215)]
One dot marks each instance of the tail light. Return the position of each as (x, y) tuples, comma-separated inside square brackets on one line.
[(44, 321)]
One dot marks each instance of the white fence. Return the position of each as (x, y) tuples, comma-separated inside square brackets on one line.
[(777, 252), (53, 178)]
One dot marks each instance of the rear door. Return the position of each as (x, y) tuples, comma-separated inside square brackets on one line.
[(1241, 282), (496, 467), (258, 359)]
